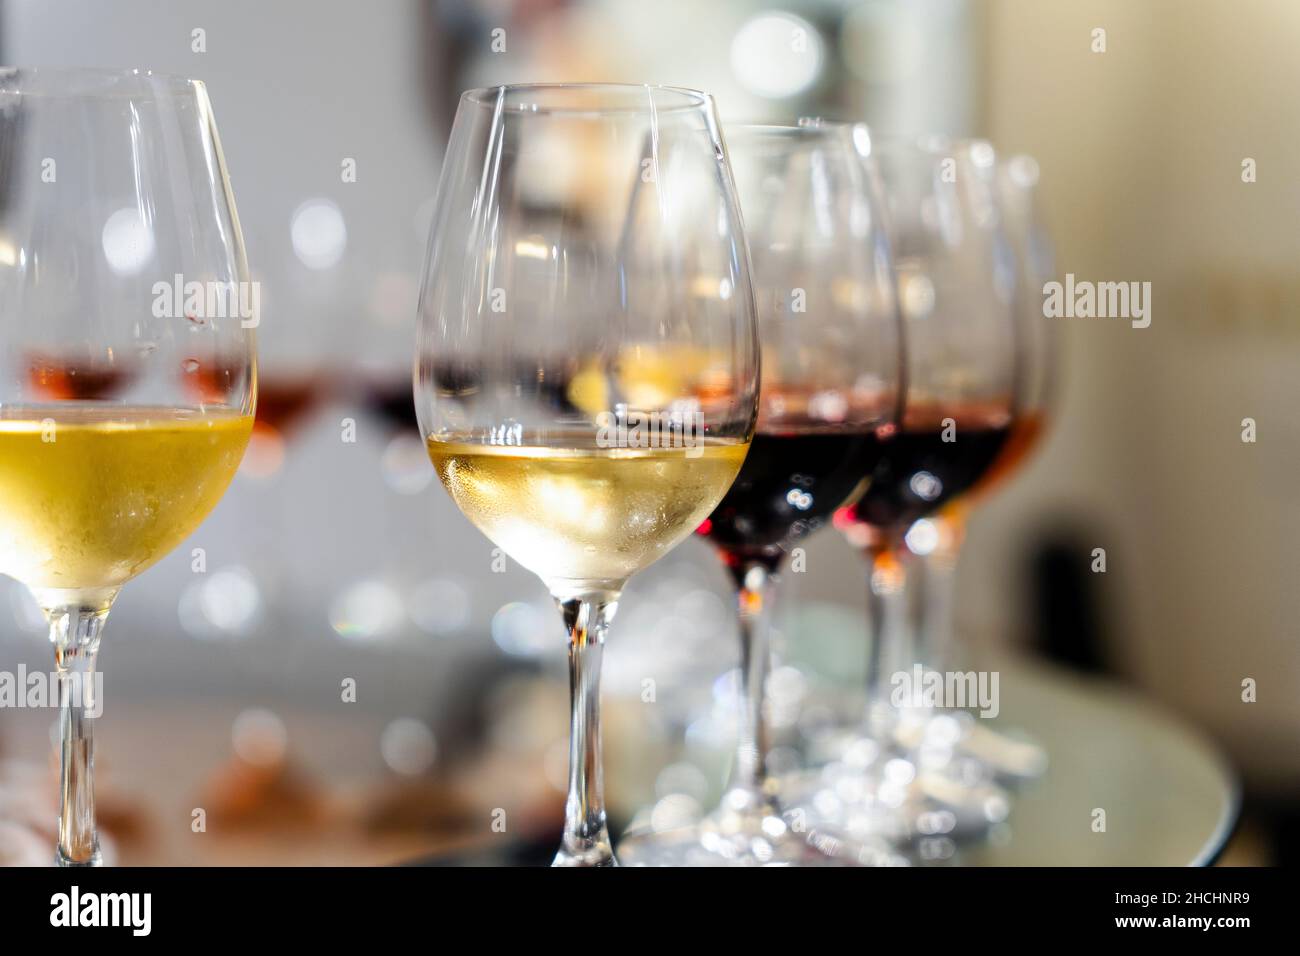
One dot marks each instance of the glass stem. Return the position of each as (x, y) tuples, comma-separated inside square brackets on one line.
[(748, 787), (887, 611), (937, 624), (75, 632), (586, 839)]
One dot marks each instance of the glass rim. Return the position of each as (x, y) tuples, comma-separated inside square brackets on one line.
[(851, 134), (977, 150), (800, 126), (935, 143), (798, 129), (930, 143), (91, 82), (690, 99)]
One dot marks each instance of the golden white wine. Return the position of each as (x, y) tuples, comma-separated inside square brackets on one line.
[(586, 515), (90, 496)]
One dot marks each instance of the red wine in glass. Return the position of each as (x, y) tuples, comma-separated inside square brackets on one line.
[(390, 399), (86, 378), (1026, 433), (942, 451), (284, 399), (793, 479)]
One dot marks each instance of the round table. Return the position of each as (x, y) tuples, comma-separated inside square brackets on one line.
[(1170, 798)]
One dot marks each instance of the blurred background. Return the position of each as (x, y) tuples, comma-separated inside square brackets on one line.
[(335, 562)]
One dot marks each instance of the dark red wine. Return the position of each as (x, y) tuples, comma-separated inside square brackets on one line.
[(929, 463), (392, 401), (284, 398), (790, 484), (57, 378), (285, 401), (547, 380)]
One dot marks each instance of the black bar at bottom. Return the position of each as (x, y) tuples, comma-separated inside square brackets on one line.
[(328, 905)]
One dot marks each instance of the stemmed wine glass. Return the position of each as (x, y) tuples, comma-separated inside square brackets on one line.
[(940, 544), (586, 370), (829, 328), (956, 282), (120, 252)]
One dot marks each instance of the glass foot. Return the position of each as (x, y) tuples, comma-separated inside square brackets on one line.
[(957, 737), (95, 859), (1009, 758), (599, 853), (743, 831), (885, 805)]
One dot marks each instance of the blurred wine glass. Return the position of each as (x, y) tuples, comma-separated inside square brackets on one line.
[(113, 196), (832, 389), (956, 282), (939, 544)]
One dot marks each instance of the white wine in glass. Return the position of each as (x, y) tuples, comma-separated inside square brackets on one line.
[(154, 474), (586, 369), (575, 515), (122, 418)]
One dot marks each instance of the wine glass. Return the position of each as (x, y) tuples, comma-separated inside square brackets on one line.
[(120, 252), (832, 354), (956, 286), (939, 545), (588, 235), (1036, 339)]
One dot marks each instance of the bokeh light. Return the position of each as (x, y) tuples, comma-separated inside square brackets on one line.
[(408, 746), (777, 54), (319, 233), (128, 241)]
